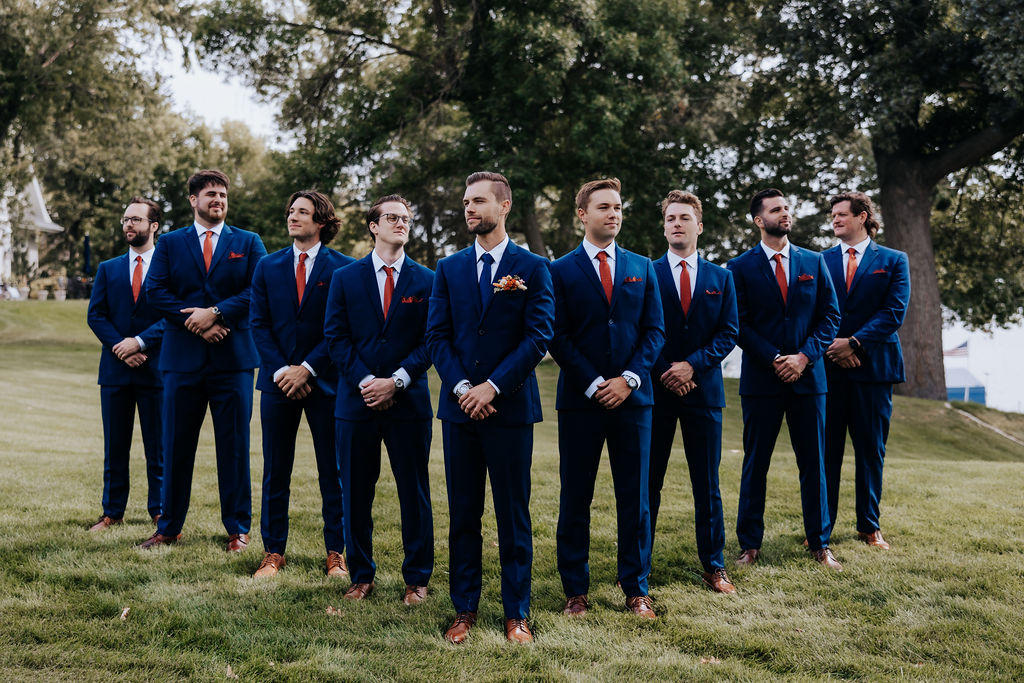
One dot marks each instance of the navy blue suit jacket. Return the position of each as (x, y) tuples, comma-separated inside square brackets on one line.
[(873, 310), (178, 279), (806, 323), (502, 342), (362, 342), (594, 338), (702, 338), (113, 316), (285, 332)]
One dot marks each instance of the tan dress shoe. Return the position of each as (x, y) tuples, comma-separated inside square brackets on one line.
[(105, 522), (576, 606), (873, 539), (336, 564), (748, 557), (825, 558), (414, 595), (517, 631), (237, 543), (272, 562), (718, 581), (641, 606), (158, 539), (459, 630), (359, 591)]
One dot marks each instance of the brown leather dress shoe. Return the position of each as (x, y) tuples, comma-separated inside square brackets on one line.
[(825, 558), (459, 630), (718, 581), (748, 557), (158, 539), (517, 631), (156, 519), (359, 591), (641, 606), (105, 522), (336, 564), (873, 539), (272, 562), (576, 605), (237, 543), (414, 595)]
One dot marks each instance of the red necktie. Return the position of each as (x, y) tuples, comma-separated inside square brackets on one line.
[(780, 276), (300, 276), (136, 279), (684, 287), (208, 249), (389, 288), (851, 267), (606, 274)]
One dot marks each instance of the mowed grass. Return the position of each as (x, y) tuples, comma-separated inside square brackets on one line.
[(946, 603)]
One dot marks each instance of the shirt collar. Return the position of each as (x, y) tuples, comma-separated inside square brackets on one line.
[(146, 255), (770, 253), (592, 249), (860, 247), (200, 230), (378, 262), (496, 253), (310, 253), (674, 259)]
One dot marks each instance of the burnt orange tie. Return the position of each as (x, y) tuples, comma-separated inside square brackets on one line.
[(136, 279), (389, 288), (208, 249), (684, 287), (780, 276), (606, 274), (300, 276), (851, 267)]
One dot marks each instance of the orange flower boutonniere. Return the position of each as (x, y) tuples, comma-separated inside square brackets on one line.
[(509, 283)]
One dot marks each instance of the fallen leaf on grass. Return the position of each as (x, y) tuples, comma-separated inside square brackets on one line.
[(333, 611), (710, 660), (124, 613), (230, 673), (918, 665)]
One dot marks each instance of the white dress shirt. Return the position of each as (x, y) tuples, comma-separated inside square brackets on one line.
[(496, 253), (311, 254), (147, 256), (201, 231), (770, 253), (860, 248), (378, 269), (690, 262)]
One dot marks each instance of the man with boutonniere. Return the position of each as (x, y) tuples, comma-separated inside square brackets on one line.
[(485, 339), (609, 329), (376, 321), (788, 317)]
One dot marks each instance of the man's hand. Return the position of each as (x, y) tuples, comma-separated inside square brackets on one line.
[(839, 350), (477, 401), (849, 362), (294, 382), (136, 359), (215, 333), (789, 368), (379, 393), (678, 374), (686, 388), (126, 347), (199, 319), (612, 392)]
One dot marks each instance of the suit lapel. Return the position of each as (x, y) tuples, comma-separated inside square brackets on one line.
[(124, 285), (369, 278), (589, 274), (319, 264), (224, 243), (699, 286), (869, 258), (767, 270), (621, 272), (663, 271), (505, 266), (193, 245), (404, 276), (834, 263)]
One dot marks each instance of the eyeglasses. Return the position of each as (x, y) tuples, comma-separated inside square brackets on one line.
[(134, 220), (393, 218)]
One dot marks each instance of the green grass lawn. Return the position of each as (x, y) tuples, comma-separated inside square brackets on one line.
[(946, 603)]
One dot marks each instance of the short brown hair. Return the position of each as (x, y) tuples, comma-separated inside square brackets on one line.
[(373, 215), (199, 180), (682, 197), (153, 212), (859, 203), (323, 213), (583, 196), (499, 184), (757, 201)]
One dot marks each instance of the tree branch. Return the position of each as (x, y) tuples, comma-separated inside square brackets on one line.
[(974, 148), (356, 34)]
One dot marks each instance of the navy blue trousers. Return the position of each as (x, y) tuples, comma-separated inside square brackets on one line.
[(118, 404)]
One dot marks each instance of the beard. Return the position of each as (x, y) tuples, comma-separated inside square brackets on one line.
[(484, 226), (139, 240), (209, 217), (776, 229)]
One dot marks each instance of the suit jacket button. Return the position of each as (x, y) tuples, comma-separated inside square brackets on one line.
[(481, 332), (476, 363), (610, 322), (385, 341)]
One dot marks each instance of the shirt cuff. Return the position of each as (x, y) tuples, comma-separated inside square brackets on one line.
[(366, 380), (634, 376), (401, 374), (142, 344), (464, 382), (279, 371), (589, 393), (309, 367), (496, 389)]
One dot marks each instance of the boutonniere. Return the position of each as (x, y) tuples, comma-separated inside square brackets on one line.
[(509, 283), (880, 271), (412, 300), (716, 292), (233, 255), (632, 279), (805, 278)]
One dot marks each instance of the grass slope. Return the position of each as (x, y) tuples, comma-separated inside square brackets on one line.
[(944, 604)]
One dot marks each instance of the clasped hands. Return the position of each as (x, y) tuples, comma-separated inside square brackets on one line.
[(476, 402), (378, 393), (789, 368), (129, 352), (679, 378), (203, 321), (294, 382), (842, 354)]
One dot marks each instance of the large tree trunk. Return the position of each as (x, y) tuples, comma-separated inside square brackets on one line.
[(906, 210), (531, 226)]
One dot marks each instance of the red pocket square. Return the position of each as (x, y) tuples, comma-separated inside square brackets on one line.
[(880, 271), (321, 283), (805, 278), (412, 300), (632, 279), (715, 292), (233, 255)]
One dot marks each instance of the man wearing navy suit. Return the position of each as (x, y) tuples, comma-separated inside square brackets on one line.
[(200, 280), (489, 324), (788, 317), (865, 360), (289, 297), (701, 325), (129, 377), (609, 329), (376, 321)]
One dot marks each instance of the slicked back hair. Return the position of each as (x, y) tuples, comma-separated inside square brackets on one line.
[(323, 213), (859, 203), (199, 180), (683, 197), (757, 201), (499, 184), (583, 196), (373, 215)]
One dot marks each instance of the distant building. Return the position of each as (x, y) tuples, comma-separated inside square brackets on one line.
[(961, 385), (24, 221)]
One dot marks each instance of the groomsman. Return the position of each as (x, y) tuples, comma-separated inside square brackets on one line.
[(199, 280), (865, 360), (608, 332), (490, 320), (700, 330), (376, 321), (788, 317), (289, 296), (129, 376)]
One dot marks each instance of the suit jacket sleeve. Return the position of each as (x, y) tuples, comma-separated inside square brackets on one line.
[(153, 335), (516, 367), (726, 331), (338, 335), (236, 308), (826, 315), (98, 315), (749, 339), (652, 327), (889, 317), (158, 294), (262, 325), (440, 332)]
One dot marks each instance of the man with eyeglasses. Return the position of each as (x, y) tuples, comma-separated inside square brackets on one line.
[(200, 281), (375, 326), (129, 375)]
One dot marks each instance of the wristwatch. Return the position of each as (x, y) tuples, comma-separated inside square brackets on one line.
[(216, 312), (460, 390), (631, 382), (399, 382)]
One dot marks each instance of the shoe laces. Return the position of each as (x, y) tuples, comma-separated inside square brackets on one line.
[(465, 618), (644, 600)]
